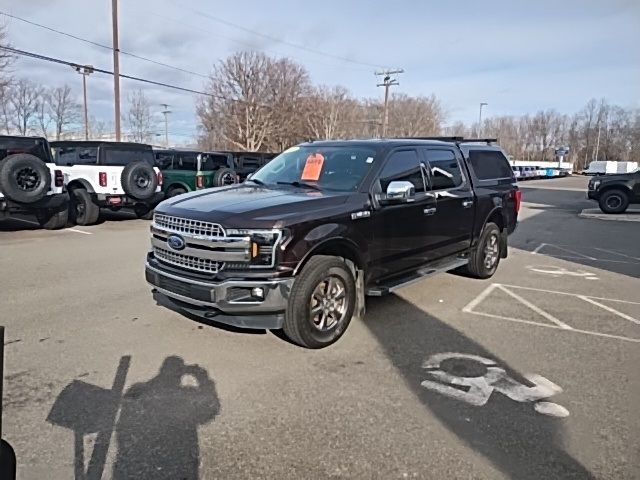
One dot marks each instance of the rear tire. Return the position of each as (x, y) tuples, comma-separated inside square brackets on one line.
[(485, 258), (24, 178), (53, 220), (143, 212), (82, 209), (614, 201), (223, 177), (321, 303)]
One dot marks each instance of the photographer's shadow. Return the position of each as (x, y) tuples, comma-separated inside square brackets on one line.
[(157, 429)]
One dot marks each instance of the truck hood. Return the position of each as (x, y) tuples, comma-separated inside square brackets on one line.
[(249, 206)]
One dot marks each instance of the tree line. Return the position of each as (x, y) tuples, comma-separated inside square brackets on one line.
[(261, 103)]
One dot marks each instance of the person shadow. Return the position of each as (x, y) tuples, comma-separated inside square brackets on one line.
[(157, 428)]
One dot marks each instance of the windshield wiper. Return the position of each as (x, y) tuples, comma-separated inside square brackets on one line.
[(257, 182), (301, 185)]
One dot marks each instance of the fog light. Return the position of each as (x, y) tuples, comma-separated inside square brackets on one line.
[(257, 292)]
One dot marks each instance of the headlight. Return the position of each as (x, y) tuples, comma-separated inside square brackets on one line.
[(263, 246), (594, 184)]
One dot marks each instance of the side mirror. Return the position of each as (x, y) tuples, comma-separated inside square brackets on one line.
[(400, 192)]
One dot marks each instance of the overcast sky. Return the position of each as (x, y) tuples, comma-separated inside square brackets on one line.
[(518, 56)]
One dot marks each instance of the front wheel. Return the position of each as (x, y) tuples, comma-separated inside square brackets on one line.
[(53, 220), (321, 303), (614, 201), (484, 259)]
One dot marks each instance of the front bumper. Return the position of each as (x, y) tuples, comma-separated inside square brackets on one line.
[(592, 194), (226, 302), (56, 202)]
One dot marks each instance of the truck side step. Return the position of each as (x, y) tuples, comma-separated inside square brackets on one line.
[(444, 265)]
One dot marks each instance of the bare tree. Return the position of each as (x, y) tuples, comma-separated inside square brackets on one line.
[(330, 113), (6, 108), (414, 116), (6, 58), (42, 114), (255, 102), (139, 117), (25, 96), (62, 108)]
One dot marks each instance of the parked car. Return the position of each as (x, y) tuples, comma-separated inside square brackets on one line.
[(188, 170), (516, 172), (615, 193), (30, 182), (299, 244), (246, 163), (112, 175)]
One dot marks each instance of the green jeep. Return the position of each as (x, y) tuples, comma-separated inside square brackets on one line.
[(189, 170)]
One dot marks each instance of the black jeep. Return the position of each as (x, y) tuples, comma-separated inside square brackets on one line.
[(614, 193), (299, 244), (30, 183)]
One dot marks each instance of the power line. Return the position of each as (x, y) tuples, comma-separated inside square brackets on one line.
[(107, 47), (129, 77), (280, 40)]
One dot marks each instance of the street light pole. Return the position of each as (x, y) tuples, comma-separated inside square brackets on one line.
[(482, 104), (85, 71)]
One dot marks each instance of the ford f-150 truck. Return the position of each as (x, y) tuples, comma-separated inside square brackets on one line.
[(301, 243)]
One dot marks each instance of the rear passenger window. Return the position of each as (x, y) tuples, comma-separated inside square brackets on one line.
[(402, 166), (444, 169), (66, 156), (164, 161), (187, 162), (489, 165)]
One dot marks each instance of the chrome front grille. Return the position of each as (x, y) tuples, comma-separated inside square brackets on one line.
[(187, 261), (188, 226)]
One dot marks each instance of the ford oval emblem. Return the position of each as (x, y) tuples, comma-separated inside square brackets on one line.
[(176, 242)]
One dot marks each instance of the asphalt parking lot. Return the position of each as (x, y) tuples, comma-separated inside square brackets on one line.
[(100, 382)]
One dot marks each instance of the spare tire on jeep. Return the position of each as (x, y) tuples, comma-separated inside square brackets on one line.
[(24, 178), (139, 180)]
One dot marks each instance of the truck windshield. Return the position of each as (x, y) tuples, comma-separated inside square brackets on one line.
[(340, 169)]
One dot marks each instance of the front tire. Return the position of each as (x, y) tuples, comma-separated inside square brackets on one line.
[(53, 220), (614, 201), (485, 258), (321, 303), (82, 209)]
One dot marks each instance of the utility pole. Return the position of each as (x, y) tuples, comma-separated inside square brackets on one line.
[(483, 104), (116, 66), (597, 143), (166, 112), (85, 71), (387, 82)]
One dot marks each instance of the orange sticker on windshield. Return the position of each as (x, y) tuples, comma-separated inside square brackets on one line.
[(312, 168)]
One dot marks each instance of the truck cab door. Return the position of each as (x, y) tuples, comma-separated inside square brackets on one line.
[(452, 225), (400, 231)]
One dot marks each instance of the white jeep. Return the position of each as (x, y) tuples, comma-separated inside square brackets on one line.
[(112, 175), (30, 182)]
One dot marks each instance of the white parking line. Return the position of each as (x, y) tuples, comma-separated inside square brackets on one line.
[(580, 256), (536, 309), (609, 309), (556, 323), (31, 222), (616, 253)]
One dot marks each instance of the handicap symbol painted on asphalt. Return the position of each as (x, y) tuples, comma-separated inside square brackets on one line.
[(479, 387), (556, 271)]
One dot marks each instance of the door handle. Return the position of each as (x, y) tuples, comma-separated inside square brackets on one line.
[(467, 203), (429, 211)]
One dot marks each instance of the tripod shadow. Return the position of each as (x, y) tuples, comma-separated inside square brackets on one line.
[(157, 430)]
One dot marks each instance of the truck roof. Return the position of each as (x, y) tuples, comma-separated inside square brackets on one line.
[(378, 143), (97, 143)]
